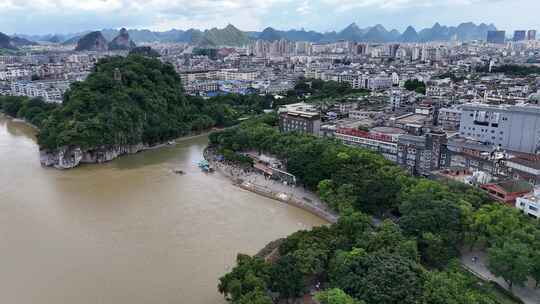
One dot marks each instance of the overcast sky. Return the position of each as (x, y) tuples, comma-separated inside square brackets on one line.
[(67, 16)]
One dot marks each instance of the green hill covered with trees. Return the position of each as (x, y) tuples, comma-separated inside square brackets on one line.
[(124, 101), (134, 100)]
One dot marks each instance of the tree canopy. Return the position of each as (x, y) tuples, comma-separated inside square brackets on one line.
[(512, 69), (405, 260), (126, 100), (33, 110), (415, 85)]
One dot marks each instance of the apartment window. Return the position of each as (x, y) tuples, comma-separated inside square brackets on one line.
[(481, 123)]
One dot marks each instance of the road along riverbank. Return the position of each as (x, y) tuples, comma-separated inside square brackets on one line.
[(257, 183)]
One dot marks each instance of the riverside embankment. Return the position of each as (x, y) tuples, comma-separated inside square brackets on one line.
[(257, 183)]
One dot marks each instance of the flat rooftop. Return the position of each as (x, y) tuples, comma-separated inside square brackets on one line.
[(535, 164), (467, 143), (304, 114), (388, 130), (525, 108), (417, 119)]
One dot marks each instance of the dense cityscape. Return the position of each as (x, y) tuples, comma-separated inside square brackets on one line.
[(419, 150)]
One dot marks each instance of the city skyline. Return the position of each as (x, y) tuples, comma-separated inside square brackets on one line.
[(166, 151), (68, 16)]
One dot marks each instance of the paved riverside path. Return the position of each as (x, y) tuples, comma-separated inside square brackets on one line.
[(314, 207), (527, 294), (294, 195)]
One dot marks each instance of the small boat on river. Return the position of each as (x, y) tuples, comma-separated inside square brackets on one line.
[(205, 166), (179, 172)]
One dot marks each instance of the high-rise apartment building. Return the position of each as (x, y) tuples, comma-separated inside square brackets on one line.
[(531, 35), (519, 36), (497, 37)]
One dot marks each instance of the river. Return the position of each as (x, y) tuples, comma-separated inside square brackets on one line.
[(129, 231)]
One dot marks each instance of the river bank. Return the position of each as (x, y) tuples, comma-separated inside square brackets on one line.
[(179, 139), (15, 119), (70, 157), (258, 184)]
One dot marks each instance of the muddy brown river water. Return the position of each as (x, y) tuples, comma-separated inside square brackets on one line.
[(129, 231)]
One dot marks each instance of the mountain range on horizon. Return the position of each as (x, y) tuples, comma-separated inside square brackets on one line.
[(232, 36), (378, 34), (13, 43)]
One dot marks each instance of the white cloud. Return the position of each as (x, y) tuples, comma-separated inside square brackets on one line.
[(158, 14), (38, 16), (48, 5), (347, 5), (304, 8), (245, 14)]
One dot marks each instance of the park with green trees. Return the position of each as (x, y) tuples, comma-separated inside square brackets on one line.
[(416, 86), (320, 89), (413, 258), (34, 110), (511, 70)]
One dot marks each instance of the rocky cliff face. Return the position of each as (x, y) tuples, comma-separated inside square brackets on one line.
[(71, 157), (122, 41), (64, 158), (93, 41)]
